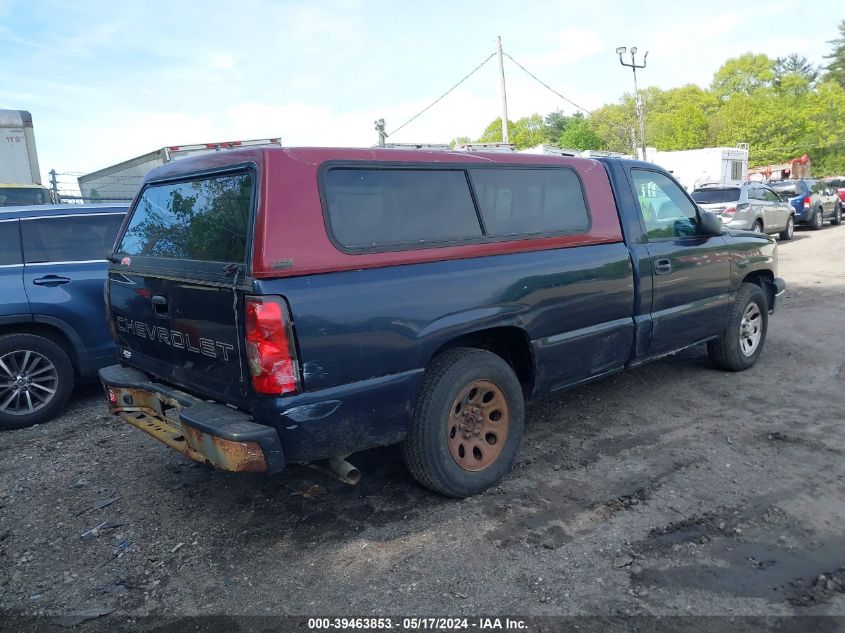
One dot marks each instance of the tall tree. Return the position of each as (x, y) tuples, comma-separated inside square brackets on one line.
[(836, 67), (579, 135), (616, 123), (743, 75), (680, 118), (794, 64)]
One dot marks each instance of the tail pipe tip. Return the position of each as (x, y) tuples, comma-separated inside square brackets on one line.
[(345, 471)]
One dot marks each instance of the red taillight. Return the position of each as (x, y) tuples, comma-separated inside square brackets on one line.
[(729, 211), (270, 348), (807, 202)]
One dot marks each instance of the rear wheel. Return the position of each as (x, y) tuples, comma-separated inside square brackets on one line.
[(743, 339), (789, 231), (837, 215), (817, 221), (36, 379), (467, 423), (758, 226)]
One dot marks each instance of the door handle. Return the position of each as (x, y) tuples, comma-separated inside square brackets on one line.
[(50, 280), (160, 307), (662, 267)]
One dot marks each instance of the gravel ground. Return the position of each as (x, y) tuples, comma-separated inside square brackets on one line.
[(671, 489)]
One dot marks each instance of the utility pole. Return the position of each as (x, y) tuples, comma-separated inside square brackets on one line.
[(640, 112), (504, 93), (382, 135), (54, 186)]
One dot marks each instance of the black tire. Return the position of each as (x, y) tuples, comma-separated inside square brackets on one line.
[(788, 232), (817, 221), (427, 449), (757, 227), (836, 220), (13, 352), (727, 351)]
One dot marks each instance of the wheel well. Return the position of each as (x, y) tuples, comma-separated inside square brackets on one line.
[(764, 279), (510, 343), (47, 331)]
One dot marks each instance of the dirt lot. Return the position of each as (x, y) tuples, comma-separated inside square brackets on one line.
[(671, 489)]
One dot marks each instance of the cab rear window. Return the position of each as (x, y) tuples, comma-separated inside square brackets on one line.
[(204, 219)]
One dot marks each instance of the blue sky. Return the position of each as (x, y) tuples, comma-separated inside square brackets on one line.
[(106, 81)]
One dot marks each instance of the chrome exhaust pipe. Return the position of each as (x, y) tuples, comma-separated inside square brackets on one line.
[(344, 471)]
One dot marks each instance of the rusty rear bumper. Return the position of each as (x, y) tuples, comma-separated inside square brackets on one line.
[(204, 432)]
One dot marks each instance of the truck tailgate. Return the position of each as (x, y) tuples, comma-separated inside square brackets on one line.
[(185, 333)]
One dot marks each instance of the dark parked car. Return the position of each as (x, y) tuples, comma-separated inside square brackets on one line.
[(53, 329), (813, 201), (288, 305)]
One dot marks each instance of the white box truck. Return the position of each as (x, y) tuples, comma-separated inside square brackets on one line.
[(122, 181), (695, 167), (20, 176)]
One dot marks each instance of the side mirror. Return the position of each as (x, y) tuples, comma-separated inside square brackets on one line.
[(711, 225)]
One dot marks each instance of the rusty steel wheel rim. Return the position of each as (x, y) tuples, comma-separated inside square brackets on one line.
[(478, 425)]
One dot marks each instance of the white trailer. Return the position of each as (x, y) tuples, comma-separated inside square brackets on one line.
[(695, 167), (18, 158), (122, 181)]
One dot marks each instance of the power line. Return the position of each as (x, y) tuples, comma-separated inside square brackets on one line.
[(568, 100), (547, 86), (424, 110)]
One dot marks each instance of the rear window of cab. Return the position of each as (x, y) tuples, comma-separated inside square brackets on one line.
[(384, 209), (204, 219)]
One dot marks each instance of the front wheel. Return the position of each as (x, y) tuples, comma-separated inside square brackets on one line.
[(818, 221), (837, 215), (742, 341), (789, 231), (467, 423), (36, 379)]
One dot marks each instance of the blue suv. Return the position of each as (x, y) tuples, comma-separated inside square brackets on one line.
[(53, 328), (813, 201)]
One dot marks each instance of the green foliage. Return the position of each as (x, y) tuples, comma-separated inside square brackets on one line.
[(579, 135), (556, 128), (680, 118), (526, 132), (796, 68), (616, 123), (781, 107), (835, 70), (744, 75)]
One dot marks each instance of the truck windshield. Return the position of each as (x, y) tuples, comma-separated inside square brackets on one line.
[(14, 196), (715, 196)]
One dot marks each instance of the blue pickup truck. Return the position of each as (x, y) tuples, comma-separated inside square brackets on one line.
[(288, 305)]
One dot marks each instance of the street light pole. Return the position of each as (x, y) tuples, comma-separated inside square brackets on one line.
[(633, 66)]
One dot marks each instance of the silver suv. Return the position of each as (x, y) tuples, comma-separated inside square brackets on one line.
[(752, 206)]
